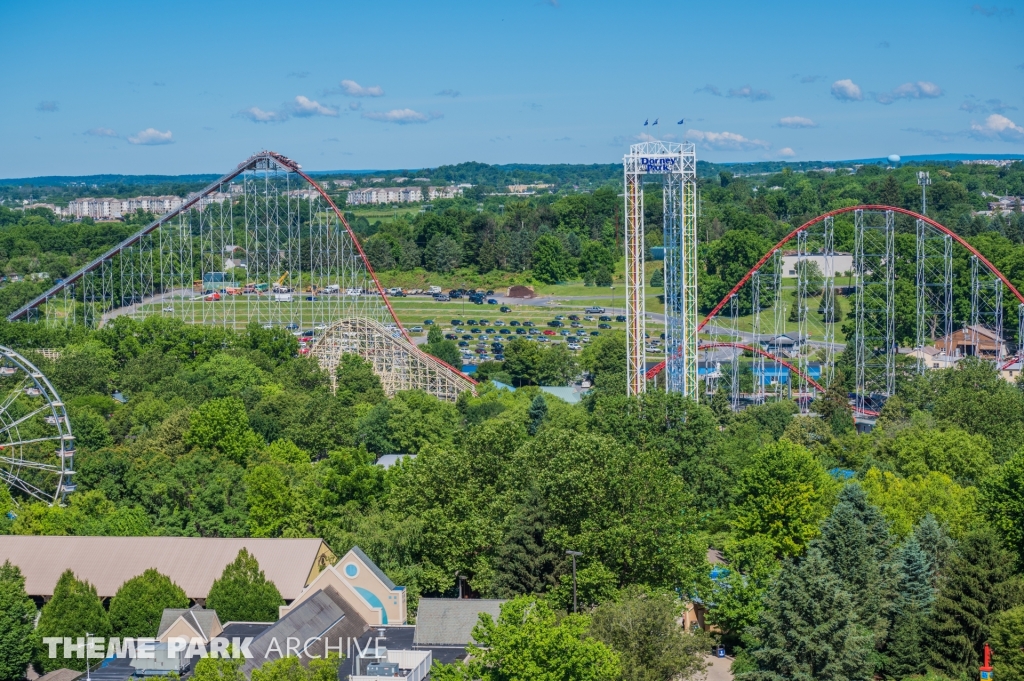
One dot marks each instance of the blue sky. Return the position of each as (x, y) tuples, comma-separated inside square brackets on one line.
[(180, 87)]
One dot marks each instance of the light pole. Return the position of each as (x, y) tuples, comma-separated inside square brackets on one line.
[(924, 180), (574, 554), (88, 677)]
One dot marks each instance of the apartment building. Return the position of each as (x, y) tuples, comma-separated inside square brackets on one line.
[(380, 195)]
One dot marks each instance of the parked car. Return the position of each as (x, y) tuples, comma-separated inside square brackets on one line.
[(555, 323), (506, 308), (620, 317), (604, 318), (520, 331), (549, 332), (492, 301), (451, 336), (428, 322), (417, 329), (604, 326), (595, 333), (594, 310), (505, 331), (574, 318), (292, 327), (456, 322), (514, 323)]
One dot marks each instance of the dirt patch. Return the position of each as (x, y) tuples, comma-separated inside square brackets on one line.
[(521, 292)]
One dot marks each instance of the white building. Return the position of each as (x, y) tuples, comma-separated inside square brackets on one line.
[(380, 195), (842, 262)]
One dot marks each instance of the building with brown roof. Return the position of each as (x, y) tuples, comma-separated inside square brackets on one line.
[(193, 563)]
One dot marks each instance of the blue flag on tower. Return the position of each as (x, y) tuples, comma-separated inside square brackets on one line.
[(654, 123), (680, 121), (645, 121)]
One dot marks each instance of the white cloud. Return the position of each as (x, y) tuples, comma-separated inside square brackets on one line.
[(710, 89), (725, 141), (747, 92), (847, 91), (46, 106), (101, 132), (1000, 127), (922, 89), (796, 122), (258, 115), (786, 152), (304, 106), (151, 137), (401, 116), (448, 93), (355, 106), (354, 89)]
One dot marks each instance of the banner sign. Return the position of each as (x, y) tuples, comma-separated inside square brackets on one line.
[(659, 164)]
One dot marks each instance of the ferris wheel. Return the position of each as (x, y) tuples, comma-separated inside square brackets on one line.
[(37, 448)]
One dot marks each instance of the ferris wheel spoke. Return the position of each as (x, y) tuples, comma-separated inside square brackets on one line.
[(28, 488), (16, 443), (26, 417), (26, 463), (13, 395)]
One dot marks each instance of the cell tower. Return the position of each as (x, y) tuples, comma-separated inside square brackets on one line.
[(677, 164)]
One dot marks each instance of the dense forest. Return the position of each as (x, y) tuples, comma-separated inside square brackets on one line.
[(893, 553)]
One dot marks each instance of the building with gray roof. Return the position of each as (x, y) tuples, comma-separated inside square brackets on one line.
[(450, 621)]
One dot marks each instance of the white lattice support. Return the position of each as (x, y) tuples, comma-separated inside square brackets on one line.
[(398, 363)]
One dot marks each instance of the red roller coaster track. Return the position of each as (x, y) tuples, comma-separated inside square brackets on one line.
[(768, 355), (655, 370)]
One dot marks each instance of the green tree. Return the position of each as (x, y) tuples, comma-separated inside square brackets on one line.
[(834, 406), (222, 425), (17, 616), (219, 669), (522, 359), (525, 562), (856, 544), (964, 457), (737, 595), (434, 334), (658, 278), (74, 611), (906, 655), (356, 381), (980, 583), (537, 412), (270, 500), (136, 608), (808, 629), (784, 494), (446, 351), (551, 262), (557, 366), (905, 502), (1007, 640), (937, 546), (242, 593), (530, 643), (605, 361), (291, 669), (443, 254), (642, 628), (1002, 500)]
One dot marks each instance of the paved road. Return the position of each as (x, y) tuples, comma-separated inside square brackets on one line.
[(720, 668)]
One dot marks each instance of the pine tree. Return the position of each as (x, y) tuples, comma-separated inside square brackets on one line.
[(905, 652), (856, 543), (434, 335), (136, 608), (537, 412), (915, 579), (721, 406), (905, 655), (979, 584), (891, 194), (808, 629), (75, 610), (658, 278), (936, 544), (243, 594), (17, 615), (525, 564)]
